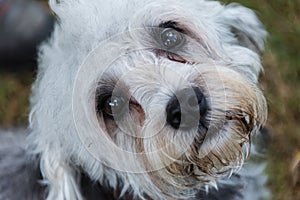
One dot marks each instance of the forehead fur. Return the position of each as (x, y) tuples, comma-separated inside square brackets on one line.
[(224, 28), (96, 16)]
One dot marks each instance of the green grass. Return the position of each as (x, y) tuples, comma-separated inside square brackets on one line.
[(14, 103), (281, 84)]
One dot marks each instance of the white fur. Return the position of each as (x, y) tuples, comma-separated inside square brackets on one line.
[(65, 69)]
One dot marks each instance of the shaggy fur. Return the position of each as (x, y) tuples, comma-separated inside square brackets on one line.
[(115, 48)]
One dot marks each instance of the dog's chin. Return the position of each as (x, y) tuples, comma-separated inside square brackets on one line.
[(210, 155)]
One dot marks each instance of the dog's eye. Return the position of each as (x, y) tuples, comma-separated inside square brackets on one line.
[(113, 107), (171, 38)]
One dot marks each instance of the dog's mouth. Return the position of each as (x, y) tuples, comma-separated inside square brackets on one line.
[(245, 121), (219, 148)]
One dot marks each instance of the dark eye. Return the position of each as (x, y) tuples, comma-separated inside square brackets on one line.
[(112, 107), (171, 38)]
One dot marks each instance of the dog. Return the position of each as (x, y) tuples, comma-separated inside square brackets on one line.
[(142, 99)]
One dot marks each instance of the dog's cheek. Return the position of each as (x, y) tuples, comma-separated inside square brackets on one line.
[(137, 114), (108, 126)]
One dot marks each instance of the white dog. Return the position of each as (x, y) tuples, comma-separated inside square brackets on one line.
[(142, 99)]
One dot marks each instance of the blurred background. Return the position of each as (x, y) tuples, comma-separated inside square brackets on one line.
[(25, 23)]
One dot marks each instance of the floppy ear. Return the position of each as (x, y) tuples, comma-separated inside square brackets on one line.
[(246, 27)]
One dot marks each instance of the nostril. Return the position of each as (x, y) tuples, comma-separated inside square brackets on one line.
[(176, 116), (173, 113), (203, 107), (185, 109), (192, 101), (175, 119)]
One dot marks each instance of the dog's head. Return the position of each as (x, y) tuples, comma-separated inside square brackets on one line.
[(162, 95)]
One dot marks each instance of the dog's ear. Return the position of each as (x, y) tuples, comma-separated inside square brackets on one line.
[(246, 27)]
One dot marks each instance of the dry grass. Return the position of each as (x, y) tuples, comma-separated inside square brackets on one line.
[(281, 84)]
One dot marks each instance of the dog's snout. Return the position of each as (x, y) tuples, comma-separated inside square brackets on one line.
[(185, 109)]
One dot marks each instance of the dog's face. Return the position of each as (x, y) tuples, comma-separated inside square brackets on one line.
[(168, 97)]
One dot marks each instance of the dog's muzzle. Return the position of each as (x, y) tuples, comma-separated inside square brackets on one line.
[(186, 109)]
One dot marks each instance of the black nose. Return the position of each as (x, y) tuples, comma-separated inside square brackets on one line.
[(186, 108)]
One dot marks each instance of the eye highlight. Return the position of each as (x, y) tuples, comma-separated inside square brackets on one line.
[(114, 107), (171, 38), (170, 35), (111, 103)]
